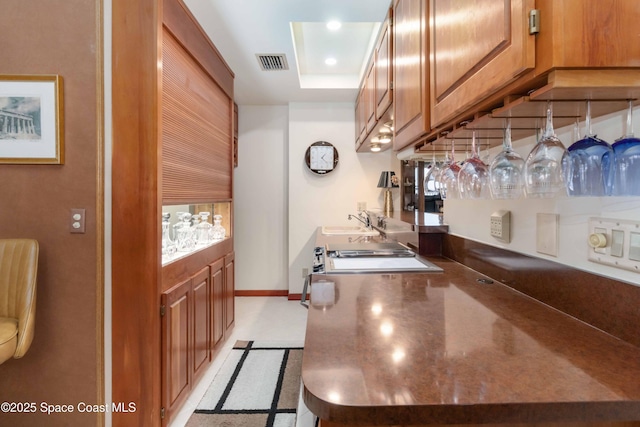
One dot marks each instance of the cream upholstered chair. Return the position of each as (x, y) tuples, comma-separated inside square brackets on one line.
[(18, 270)]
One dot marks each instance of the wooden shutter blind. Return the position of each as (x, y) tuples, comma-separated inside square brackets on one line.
[(196, 131)]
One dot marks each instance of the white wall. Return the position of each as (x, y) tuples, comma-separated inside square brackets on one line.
[(278, 203), (260, 198), (470, 219), (327, 200)]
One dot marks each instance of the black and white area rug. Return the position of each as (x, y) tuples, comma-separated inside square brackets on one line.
[(258, 385)]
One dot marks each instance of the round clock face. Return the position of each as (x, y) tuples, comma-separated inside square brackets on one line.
[(321, 157)]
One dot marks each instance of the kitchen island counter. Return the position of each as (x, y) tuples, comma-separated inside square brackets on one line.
[(446, 349)]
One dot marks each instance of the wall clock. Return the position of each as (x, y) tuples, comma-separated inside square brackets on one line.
[(321, 157)]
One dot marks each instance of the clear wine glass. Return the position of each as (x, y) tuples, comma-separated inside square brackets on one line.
[(543, 167), (473, 178), (626, 161), (506, 170), (586, 167), (449, 177), (431, 176)]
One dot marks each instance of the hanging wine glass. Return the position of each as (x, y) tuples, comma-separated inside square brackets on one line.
[(586, 167), (449, 177), (473, 178), (506, 170), (626, 162), (543, 167), (431, 176), (445, 165)]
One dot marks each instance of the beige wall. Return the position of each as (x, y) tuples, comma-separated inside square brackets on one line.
[(62, 367)]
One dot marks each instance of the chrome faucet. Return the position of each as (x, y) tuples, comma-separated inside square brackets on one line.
[(363, 217)]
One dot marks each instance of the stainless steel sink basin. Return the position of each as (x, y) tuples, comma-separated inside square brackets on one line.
[(346, 230)]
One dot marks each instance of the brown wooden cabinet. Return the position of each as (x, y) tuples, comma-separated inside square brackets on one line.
[(229, 290), (185, 338), (477, 47), (410, 72), (173, 145), (372, 109), (383, 68), (197, 317), (177, 345), (492, 65), (201, 289), (217, 304)]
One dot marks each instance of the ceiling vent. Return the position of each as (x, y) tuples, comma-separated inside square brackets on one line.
[(272, 62)]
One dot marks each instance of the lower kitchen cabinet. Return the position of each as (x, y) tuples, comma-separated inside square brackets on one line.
[(201, 289), (217, 303), (177, 345), (229, 290), (197, 317)]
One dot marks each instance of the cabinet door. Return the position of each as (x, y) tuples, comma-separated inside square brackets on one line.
[(229, 290), (410, 72), (383, 73), (358, 119), (176, 346), (370, 98), (201, 302), (217, 303), (477, 47)]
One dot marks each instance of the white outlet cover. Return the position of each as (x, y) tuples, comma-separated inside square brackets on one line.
[(547, 234)]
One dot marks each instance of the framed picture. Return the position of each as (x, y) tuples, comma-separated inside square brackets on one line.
[(31, 122)]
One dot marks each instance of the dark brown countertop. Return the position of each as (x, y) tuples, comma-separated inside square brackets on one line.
[(423, 222), (442, 348)]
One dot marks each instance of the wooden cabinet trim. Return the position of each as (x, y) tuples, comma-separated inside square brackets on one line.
[(177, 19)]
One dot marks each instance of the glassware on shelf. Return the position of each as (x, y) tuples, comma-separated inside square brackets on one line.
[(626, 161), (543, 167), (203, 234), (506, 170), (217, 231), (449, 176), (168, 246), (195, 220), (586, 167), (183, 233), (473, 177)]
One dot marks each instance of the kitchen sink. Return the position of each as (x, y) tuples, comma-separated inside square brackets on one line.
[(346, 230)]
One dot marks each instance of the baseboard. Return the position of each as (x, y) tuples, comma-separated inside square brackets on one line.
[(262, 293)]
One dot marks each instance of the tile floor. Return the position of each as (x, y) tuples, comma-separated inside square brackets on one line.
[(257, 318)]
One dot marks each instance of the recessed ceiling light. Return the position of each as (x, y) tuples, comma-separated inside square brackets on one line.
[(330, 61), (334, 25)]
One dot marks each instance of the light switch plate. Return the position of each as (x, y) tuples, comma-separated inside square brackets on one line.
[(547, 234), (622, 249)]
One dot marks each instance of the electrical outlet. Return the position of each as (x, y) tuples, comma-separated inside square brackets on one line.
[(362, 206), (77, 221), (305, 273), (501, 225)]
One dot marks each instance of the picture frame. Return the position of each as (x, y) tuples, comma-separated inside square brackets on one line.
[(31, 119)]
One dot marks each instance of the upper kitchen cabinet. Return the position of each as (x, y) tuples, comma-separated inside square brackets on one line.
[(477, 47), (488, 57), (410, 72), (369, 97), (384, 71), (373, 105)]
